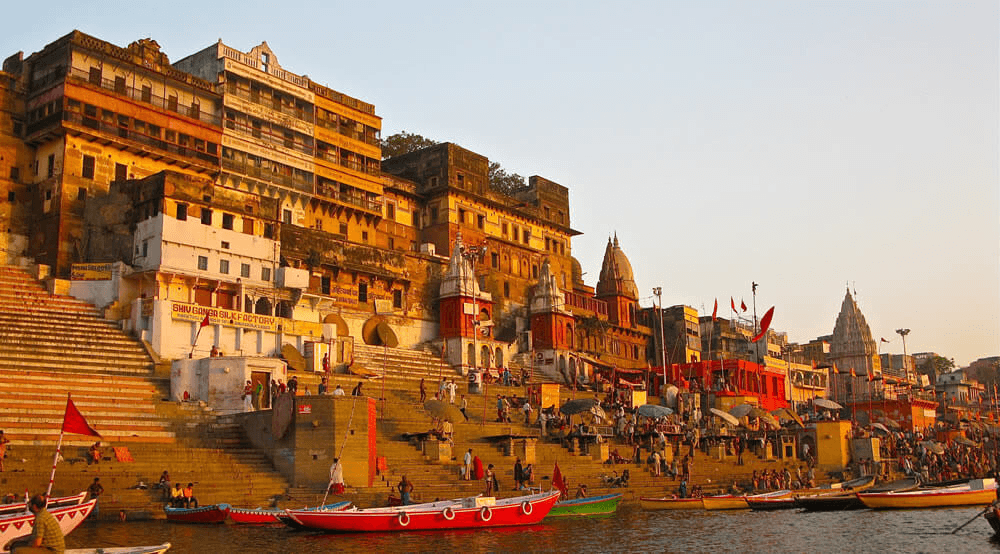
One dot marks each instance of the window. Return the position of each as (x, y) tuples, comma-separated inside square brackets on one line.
[(324, 284), (15, 173), (81, 194), (506, 289), (227, 221), (364, 236), (548, 243), (392, 243), (265, 274), (390, 211), (461, 216), (172, 103), (363, 293), (526, 235), (247, 226), (343, 229), (244, 270), (145, 248), (286, 216), (95, 76), (119, 84), (206, 216), (461, 180), (147, 93), (434, 214), (224, 267), (52, 165), (225, 245), (203, 263), (397, 299), (121, 172), (269, 230), (480, 221), (195, 110), (503, 228), (182, 212), (516, 234), (11, 196), (88, 167), (494, 260)]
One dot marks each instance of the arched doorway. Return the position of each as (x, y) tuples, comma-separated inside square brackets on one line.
[(572, 367), (485, 354), (498, 357), (472, 355), (262, 307)]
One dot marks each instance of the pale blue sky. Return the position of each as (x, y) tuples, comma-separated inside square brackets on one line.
[(797, 144)]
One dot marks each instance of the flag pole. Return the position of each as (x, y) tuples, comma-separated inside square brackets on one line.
[(55, 459)]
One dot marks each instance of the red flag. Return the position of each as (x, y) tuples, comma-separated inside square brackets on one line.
[(732, 303), (204, 322), (852, 373), (74, 422), (558, 482), (715, 311), (743, 305), (869, 376), (765, 324), (884, 339)]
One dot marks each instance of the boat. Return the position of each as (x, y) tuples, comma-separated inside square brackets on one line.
[(976, 492), (215, 513), (842, 496), (158, 549), (20, 525), (670, 503), (992, 515), (59, 502), (724, 502), (777, 500), (275, 515), (597, 505), (467, 513)]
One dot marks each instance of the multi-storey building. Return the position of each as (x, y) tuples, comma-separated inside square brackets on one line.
[(681, 334), (15, 157)]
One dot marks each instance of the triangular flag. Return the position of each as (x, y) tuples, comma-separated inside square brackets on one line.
[(884, 339), (204, 322), (743, 305), (558, 482), (765, 324), (74, 422), (870, 377), (732, 303), (715, 311)]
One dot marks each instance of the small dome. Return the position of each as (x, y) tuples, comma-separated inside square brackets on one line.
[(616, 274), (577, 271)]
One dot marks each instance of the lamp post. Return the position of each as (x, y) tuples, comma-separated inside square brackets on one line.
[(663, 351), (903, 333)]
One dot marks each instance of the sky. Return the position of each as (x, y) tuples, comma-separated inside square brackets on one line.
[(803, 145)]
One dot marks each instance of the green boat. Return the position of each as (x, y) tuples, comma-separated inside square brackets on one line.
[(598, 505)]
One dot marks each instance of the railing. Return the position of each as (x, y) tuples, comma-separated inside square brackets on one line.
[(585, 303), (355, 199), (347, 131), (157, 101), (269, 137), (133, 136), (267, 176), (303, 115)]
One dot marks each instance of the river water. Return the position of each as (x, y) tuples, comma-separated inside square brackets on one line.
[(631, 530)]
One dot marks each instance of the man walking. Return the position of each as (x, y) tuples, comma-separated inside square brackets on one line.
[(467, 467)]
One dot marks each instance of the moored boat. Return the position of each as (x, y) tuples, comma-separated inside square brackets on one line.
[(778, 500), (467, 513), (19, 525), (274, 515), (157, 549), (842, 496), (992, 516), (598, 505), (668, 503), (724, 502), (215, 513), (976, 492), (59, 502)]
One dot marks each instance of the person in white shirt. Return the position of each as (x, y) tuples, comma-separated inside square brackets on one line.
[(339, 391), (467, 467)]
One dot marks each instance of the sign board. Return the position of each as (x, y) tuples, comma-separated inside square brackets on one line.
[(220, 316), (91, 272), (305, 409)]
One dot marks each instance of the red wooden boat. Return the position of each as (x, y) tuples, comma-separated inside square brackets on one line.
[(62, 501), (216, 513), (466, 513), (19, 525), (262, 516)]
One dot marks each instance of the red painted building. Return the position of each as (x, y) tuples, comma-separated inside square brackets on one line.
[(732, 378)]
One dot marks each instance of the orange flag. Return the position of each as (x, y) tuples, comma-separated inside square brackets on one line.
[(74, 422)]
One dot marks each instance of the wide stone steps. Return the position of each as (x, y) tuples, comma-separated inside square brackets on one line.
[(18, 361), (57, 323)]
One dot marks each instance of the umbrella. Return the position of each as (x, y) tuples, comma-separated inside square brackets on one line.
[(891, 423), (965, 441), (827, 404), (578, 406), (790, 415), (741, 410), (443, 410), (880, 427), (597, 411), (933, 447), (769, 419), (728, 418), (654, 410)]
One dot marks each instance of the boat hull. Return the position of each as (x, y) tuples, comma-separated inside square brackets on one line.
[(767, 504), (21, 507), (928, 499), (20, 525), (158, 549), (216, 513), (580, 507), (992, 516), (251, 516), (671, 503), (529, 511), (725, 502)]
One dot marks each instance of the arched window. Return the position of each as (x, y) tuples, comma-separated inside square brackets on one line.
[(569, 334), (472, 355), (262, 307), (498, 356), (485, 352), (284, 309)]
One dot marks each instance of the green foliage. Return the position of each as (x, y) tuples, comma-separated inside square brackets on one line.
[(936, 366), (503, 182), (404, 143)]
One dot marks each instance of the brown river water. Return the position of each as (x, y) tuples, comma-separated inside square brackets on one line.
[(631, 530)]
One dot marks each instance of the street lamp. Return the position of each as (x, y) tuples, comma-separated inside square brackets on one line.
[(903, 333), (663, 351)]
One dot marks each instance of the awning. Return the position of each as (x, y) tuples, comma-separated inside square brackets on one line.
[(376, 331), (596, 362)]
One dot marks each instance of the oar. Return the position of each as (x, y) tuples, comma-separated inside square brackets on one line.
[(971, 520)]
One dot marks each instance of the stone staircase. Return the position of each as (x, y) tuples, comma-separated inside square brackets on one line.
[(51, 346)]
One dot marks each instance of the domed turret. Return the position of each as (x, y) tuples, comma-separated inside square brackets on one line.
[(616, 274)]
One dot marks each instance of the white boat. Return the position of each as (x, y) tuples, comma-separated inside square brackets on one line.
[(20, 525), (20, 508), (158, 549)]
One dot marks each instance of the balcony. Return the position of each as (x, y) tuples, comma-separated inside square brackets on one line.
[(358, 199), (267, 176), (584, 303), (171, 105), (302, 115)]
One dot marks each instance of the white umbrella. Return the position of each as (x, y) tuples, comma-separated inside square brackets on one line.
[(654, 410), (742, 410), (828, 404), (728, 418), (880, 427)]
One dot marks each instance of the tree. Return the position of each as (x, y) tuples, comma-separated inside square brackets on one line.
[(936, 366), (503, 182), (404, 143)]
